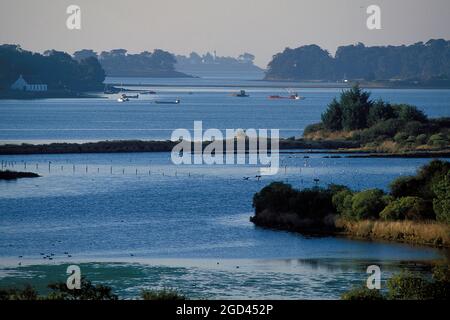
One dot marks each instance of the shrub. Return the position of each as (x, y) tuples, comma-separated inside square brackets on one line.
[(342, 202), (437, 140), (441, 204), (367, 204), (313, 128), (332, 117), (162, 295), (407, 286), (401, 137), (274, 197), (407, 208), (27, 293), (421, 139), (409, 113), (363, 293), (380, 111), (88, 291)]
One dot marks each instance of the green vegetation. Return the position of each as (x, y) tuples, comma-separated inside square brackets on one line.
[(162, 295), (420, 63), (408, 286), (120, 63), (415, 210), (55, 68), (59, 291), (88, 291), (378, 125), (13, 175)]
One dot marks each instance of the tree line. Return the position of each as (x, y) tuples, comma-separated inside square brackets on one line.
[(419, 61), (57, 69)]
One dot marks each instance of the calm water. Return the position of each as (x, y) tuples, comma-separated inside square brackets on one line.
[(136, 220), (174, 224), (100, 119)]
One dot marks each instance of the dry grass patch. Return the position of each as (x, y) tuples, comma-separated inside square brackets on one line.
[(429, 233)]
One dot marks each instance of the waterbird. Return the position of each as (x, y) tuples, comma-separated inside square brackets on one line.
[(246, 178)]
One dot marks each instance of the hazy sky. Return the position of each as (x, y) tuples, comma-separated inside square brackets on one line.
[(261, 27)]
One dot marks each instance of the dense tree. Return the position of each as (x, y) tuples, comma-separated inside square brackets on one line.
[(55, 68), (420, 61), (119, 62)]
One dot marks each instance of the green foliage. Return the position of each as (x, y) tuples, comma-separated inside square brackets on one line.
[(441, 204), (407, 208), (57, 69), (342, 202), (88, 291), (421, 139), (355, 105), (368, 204), (313, 128), (363, 293), (158, 63), (420, 185), (408, 286), (408, 113), (274, 197), (438, 140), (279, 198), (380, 111), (27, 293), (162, 295), (419, 61), (332, 117)]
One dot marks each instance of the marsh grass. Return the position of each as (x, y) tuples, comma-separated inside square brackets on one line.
[(428, 233)]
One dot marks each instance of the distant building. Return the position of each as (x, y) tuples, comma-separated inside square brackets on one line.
[(28, 84)]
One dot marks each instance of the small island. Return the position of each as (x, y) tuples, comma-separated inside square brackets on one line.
[(13, 175), (379, 126), (416, 210)]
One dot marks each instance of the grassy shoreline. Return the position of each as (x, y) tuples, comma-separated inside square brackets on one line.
[(428, 233)]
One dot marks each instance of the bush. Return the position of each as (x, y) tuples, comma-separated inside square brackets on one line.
[(407, 208), (380, 111), (420, 185), (421, 139), (401, 137), (367, 204), (441, 204), (162, 295), (438, 140), (409, 113), (28, 293), (363, 293), (313, 128), (342, 202), (274, 197), (88, 291), (332, 117)]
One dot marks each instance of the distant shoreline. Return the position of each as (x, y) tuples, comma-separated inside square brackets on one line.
[(343, 149)]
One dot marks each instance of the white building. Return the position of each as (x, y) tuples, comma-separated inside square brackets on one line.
[(28, 84)]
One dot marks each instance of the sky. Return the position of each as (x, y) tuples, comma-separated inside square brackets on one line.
[(230, 27)]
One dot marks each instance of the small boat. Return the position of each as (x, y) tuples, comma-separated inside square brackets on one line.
[(148, 92), (123, 98), (177, 101), (241, 94)]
